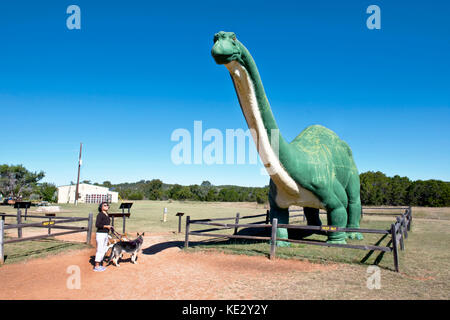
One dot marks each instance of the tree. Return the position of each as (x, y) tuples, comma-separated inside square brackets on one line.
[(47, 191), (16, 181), (172, 193), (153, 189), (107, 184), (398, 190), (429, 193), (184, 193), (137, 195), (211, 195), (374, 188), (262, 195)]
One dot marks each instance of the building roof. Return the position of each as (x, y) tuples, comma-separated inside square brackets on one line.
[(86, 184)]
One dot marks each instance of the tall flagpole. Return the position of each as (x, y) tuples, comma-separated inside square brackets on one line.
[(78, 179)]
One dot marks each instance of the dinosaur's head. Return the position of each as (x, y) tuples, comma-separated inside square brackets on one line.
[(226, 48)]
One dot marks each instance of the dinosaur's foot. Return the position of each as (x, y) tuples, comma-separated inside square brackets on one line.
[(282, 233), (337, 241), (337, 238), (354, 236), (283, 244)]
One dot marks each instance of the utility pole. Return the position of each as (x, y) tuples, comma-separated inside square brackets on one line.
[(78, 179)]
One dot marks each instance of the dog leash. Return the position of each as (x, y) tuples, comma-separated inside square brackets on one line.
[(116, 234)]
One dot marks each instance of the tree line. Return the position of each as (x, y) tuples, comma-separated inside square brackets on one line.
[(376, 189)]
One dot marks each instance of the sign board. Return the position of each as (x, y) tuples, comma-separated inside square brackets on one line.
[(22, 204), (125, 205), (328, 228)]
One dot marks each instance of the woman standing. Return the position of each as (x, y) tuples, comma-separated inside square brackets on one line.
[(102, 223)]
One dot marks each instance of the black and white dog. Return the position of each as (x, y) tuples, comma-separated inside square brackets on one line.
[(132, 247)]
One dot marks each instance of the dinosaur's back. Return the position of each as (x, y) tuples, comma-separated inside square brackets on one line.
[(323, 146)]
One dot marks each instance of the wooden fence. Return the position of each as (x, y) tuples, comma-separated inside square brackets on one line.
[(50, 222), (398, 232)]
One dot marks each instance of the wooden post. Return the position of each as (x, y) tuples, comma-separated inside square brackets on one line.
[(267, 217), (406, 224), (49, 225), (89, 228), (123, 223), (2, 253), (19, 221), (186, 239), (394, 244), (179, 214), (273, 240), (236, 222), (410, 218), (400, 229)]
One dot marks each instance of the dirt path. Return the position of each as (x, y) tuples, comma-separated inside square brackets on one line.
[(164, 271)]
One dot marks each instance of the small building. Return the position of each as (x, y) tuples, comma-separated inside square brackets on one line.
[(88, 193)]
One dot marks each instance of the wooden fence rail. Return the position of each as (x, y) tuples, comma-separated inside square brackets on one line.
[(50, 222), (398, 232)]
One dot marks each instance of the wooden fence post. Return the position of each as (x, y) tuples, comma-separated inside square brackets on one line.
[(410, 218), (267, 216), (405, 224), (400, 231), (19, 221), (236, 222), (49, 225), (89, 228), (186, 239), (2, 256), (394, 244), (273, 240)]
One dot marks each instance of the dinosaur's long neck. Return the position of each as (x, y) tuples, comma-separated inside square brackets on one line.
[(272, 147)]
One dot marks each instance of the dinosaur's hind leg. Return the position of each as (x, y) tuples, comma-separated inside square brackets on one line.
[(336, 204), (354, 207), (312, 219)]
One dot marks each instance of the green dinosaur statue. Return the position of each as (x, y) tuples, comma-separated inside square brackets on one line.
[(316, 170)]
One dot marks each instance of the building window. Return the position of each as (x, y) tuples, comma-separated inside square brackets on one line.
[(98, 198)]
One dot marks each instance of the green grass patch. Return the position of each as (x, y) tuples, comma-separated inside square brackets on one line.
[(23, 251), (312, 253)]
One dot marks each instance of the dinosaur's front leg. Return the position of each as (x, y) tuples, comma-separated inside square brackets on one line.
[(282, 214)]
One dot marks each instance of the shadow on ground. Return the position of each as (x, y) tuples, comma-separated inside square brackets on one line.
[(261, 232)]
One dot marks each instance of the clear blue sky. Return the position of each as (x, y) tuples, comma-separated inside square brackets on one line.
[(138, 70)]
